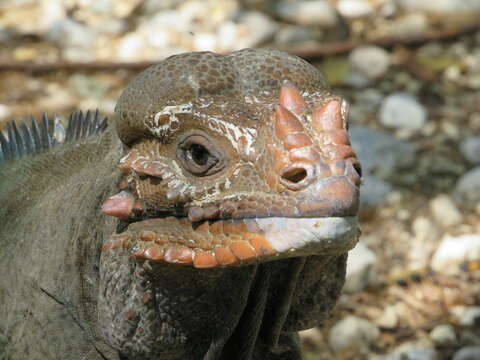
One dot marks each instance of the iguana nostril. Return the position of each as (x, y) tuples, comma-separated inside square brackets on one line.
[(296, 177), (358, 168)]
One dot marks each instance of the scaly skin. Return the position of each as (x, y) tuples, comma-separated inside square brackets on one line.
[(236, 203)]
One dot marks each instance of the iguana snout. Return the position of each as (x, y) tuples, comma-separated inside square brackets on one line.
[(234, 159)]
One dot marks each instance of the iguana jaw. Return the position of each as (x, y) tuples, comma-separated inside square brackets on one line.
[(235, 242)]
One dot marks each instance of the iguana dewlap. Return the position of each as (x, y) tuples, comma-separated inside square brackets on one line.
[(232, 207)]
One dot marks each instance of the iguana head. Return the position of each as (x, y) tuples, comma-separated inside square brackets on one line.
[(233, 159)]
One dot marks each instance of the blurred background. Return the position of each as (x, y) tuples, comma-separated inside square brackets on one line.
[(411, 72)]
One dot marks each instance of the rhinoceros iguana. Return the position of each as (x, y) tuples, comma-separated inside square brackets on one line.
[(209, 220)]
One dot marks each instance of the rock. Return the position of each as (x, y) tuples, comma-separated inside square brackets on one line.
[(356, 79), (443, 7), (5, 112), (352, 332), (291, 34), (371, 61), (467, 353), (69, 33), (466, 315), (257, 28), (354, 8), (445, 211), (380, 154), (374, 191), (402, 111), (471, 149), (153, 6), (313, 336), (468, 186), (407, 26), (423, 244), (443, 335), (204, 41), (454, 251), (369, 97), (360, 268), (469, 337), (389, 318), (303, 12), (412, 351)]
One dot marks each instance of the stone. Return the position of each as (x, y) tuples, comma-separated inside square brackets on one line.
[(369, 97), (5, 112), (389, 318), (379, 153), (407, 26), (313, 335), (420, 350), (402, 111), (454, 251), (443, 335), (468, 186), (257, 28), (316, 12), (291, 34), (371, 61), (69, 33), (351, 332), (374, 191), (355, 8), (445, 211), (443, 7), (467, 353), (470, 148), (360, 268), (466, 315), (423, 243)]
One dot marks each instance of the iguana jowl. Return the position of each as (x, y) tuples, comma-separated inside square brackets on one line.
[(211, 220)]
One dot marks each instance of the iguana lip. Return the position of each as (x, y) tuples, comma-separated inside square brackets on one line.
[(215, 243)]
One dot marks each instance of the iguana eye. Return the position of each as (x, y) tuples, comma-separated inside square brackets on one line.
[(199, 156)]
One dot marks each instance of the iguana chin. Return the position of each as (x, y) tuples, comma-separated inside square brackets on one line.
[(211, 221)]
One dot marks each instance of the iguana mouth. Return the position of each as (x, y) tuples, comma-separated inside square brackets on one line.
[(213, 243)]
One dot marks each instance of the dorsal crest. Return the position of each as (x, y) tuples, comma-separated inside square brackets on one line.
[(25, 138)]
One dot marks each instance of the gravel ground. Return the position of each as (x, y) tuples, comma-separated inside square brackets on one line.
[(413, 287)]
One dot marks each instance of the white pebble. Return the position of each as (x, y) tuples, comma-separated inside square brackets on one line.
[(402, 111), (468, 186), (371, 61), (316, 12), (471, 149), (352, 332), (443, 335), (354, 8), (454, 251), (360, 268), (445, 211)]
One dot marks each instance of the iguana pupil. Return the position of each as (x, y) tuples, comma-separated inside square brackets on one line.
[(199, 154)]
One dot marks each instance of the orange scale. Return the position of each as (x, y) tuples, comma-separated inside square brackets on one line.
[(179, 254), (153, 252), (204, 260), (261, 245), (224, 256), (243, 250)]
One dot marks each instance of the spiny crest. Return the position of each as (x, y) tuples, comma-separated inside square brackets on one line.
[(39, 136)]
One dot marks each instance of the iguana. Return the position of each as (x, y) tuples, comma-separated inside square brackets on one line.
[(210, 219)]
